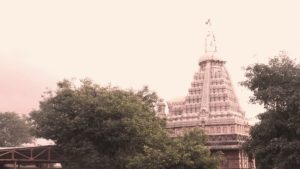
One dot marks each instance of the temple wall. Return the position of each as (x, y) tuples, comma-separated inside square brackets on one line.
[(235, 159)]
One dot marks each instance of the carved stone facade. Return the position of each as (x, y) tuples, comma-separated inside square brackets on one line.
[(211, 104)]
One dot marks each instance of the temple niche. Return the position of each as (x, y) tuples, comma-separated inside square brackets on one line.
[(211, 104)]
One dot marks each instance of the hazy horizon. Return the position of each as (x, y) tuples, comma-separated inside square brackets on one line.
[(131, 44)]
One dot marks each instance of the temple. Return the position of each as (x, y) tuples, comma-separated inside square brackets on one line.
[(211, 105)]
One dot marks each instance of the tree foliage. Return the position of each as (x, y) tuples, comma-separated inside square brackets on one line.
[(275, 140), (184, 152), (14, 130), (101, 127)]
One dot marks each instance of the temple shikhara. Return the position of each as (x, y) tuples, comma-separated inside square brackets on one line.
[(211, 105)]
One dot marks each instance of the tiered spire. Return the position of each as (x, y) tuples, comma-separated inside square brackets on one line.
[(211, 96), (212, 105)]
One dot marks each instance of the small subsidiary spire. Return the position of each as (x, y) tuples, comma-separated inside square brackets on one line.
[(210, 41)]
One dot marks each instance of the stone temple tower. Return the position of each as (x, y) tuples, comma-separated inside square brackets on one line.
[(211, 104)]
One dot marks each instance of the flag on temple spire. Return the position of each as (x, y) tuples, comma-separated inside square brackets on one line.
[(210, 41), (208, 22)]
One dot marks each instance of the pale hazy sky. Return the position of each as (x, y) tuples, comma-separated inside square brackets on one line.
[(135, 43)]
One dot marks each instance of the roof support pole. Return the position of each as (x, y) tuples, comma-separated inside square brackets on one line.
[(15, 164)]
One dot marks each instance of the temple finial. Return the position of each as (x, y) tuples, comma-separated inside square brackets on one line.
[(210, 41)]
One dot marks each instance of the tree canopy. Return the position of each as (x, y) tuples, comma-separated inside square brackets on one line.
[(14, 130), (106, 127), (275, 140), (182, 152)]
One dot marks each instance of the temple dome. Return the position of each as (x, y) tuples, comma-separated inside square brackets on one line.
[(210, 56)]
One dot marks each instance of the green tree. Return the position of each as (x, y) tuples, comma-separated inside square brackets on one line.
[(106, 127), (98, 127), (13, 130), (275, 140), (184, 152)]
